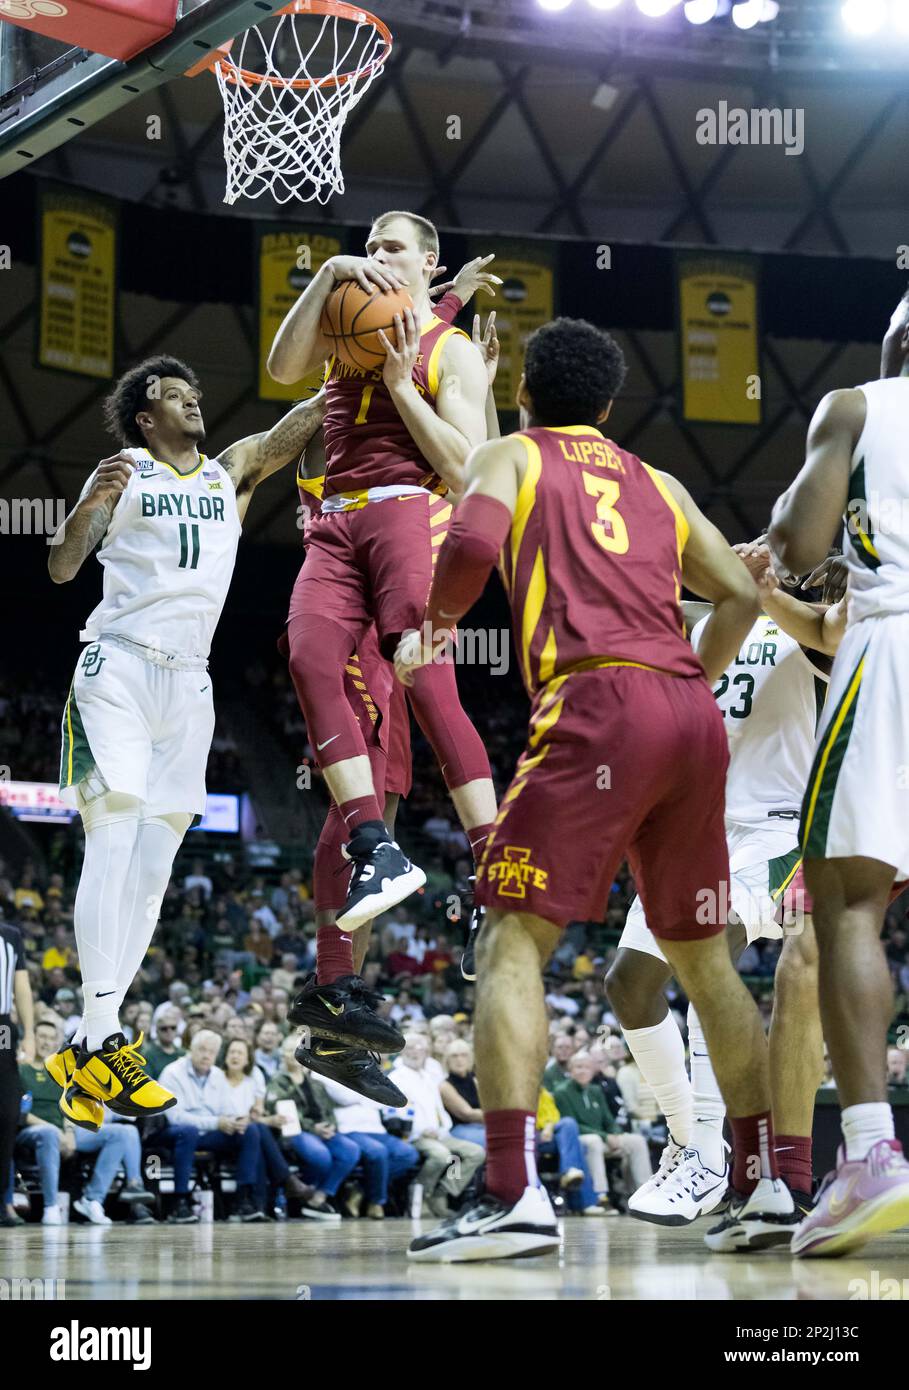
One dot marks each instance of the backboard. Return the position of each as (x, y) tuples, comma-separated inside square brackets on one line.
[(50, 91)]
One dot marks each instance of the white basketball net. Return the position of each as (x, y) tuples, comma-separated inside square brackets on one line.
[(284, 139)]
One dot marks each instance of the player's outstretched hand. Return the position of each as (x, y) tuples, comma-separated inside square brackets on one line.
[(832, 575), (488, 344), (470, 278), (368, 273), (111, 478), (400, 356)]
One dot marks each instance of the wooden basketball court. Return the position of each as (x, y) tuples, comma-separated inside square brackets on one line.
[(613, 1259)]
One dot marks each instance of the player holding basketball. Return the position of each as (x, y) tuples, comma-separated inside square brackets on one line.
[(139, 719), (395, 442), (626, 756), (335, 1007), (769, 698), (855, 815)]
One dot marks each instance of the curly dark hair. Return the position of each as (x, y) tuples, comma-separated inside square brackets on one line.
[(130, 395), (573, 370)]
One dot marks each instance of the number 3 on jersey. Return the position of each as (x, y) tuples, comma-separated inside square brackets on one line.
[(184, 546), (609, 529), (744, 685)]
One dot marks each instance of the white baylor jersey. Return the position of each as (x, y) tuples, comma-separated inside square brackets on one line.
[(770, 699), (876, 536), (168, 557)]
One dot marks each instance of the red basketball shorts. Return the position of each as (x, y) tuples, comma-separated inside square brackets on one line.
[(621, 762), (373, 564)]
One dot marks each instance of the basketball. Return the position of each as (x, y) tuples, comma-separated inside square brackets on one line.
[(352, 319)]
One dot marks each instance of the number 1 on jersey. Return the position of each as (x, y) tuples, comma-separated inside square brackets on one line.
[(364, 405), (606, 491), (184, 546)]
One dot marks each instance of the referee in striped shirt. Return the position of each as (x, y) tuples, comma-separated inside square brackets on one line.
[(14, 987)]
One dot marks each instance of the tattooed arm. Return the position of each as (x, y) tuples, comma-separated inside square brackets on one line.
[(77, 537), (251, 460)]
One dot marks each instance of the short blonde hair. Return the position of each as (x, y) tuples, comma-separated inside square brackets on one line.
[(424, 230)]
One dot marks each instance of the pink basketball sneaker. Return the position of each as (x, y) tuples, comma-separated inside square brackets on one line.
[(860, 1200)]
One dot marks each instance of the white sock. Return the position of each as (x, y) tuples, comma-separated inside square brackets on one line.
[(660, 1054), (864, 1126), (709, 1106), (157, 842), (111, 824)]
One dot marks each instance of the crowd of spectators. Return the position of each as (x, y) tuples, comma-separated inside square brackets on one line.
[(235, 941)]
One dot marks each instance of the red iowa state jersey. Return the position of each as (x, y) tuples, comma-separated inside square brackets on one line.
[(592, 565), (367, 443)]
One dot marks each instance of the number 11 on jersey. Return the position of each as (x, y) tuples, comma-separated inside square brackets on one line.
[(184, 546)]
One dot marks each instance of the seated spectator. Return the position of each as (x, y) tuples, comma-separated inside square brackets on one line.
[(47, 1136), (202, 1119), (431, 1133), (164, 1049), (27, 894), (198, 879), (584, 1101), (563, 1049), (897, 1058), (561, 1136), (258, 944), (66, 1005), (405, 1009), (326, 1157), (559, 1002), (460, 1095), (247, 1098), (268, 1049), (641, 1104), (62, 952), (385, 1157), (442, 1000)]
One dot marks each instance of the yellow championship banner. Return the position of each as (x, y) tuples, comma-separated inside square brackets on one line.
[(287, 263), (523, 302), (78, 278), (718, 337)]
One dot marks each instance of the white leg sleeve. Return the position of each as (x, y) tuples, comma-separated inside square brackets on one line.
[(709, 1107), (111, 823), (157, 842), (660, 1054)]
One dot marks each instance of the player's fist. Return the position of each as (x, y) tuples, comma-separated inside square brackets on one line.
[(111, 478), (368, 273)]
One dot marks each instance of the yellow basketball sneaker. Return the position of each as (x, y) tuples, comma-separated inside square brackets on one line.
[(61, 1065), (81, 1108), (84, 1111), (113, 1073)]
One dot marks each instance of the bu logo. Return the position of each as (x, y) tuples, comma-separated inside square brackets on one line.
[(92, 661), (32, 9)]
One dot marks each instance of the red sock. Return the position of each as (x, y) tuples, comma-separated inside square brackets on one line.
[(511, 1163), (478, 836), (334, 954), (793, 1156), (752, 1146), (360, 809)]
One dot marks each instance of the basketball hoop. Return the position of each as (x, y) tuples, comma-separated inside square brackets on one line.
[(288, 93)]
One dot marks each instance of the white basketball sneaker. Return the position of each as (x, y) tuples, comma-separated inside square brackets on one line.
[(492, 1230), (688, 1191), (671, 1155), (768, 1217)]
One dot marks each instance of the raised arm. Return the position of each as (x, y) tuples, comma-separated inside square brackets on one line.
[(809, 513), (77, 536), (711, 569), (255, 458)]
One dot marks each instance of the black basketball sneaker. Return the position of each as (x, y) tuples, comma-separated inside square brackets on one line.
[(345, 1012), (382, 877), (492, 1230), (354, 1067)]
